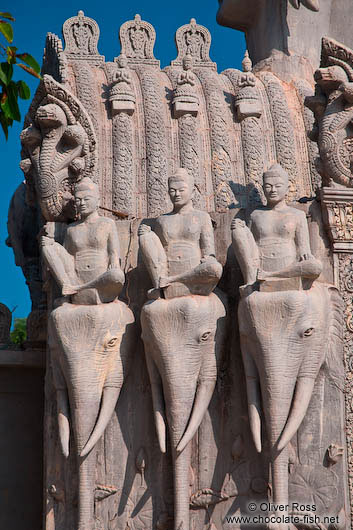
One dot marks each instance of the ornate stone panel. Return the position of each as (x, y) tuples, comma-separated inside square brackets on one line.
[(81, 36), (137, 39), (195, 40)]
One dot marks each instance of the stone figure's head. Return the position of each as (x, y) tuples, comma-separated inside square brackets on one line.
[(180, 187), (188, 61), (86, 197), (275, 184), (122, 61)]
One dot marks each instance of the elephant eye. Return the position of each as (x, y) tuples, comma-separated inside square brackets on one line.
[(112, 342), (308, 332), (205, 336)]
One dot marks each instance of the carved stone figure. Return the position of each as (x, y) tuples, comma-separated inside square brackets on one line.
[(185, 98), (284, 320), (121, 95), (247, 101), (90, 335), (182, 328), (137, 39)]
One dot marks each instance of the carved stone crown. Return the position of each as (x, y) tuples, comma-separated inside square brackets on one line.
[(196, 41), (137, 38), (81, 36)]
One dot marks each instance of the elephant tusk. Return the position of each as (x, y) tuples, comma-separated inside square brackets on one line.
[(161, 430), (63, 421), (303, 391), (109, 398), (255, 426), (313, 5), (202, 400)]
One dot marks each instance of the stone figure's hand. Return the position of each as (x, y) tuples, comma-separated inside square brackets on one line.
[(143, 229), (261, 275), (237, 223), (46, 235), (208, 259), (164, 282), (305, 257), (69, 289)]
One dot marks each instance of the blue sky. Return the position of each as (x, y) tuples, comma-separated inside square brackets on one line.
[(33, 20)]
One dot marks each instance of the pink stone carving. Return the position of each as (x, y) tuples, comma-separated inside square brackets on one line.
[(182, 327), (81, 36), (195, 40), (90, 335), (137, 38), (59, 148), (285, 321)]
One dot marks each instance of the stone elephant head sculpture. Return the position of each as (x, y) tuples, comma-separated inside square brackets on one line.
[(183, 340), (286, 336), (91, 347)]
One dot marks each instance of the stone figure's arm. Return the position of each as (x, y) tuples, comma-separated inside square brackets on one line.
[(302, 238), (113, 247), (58, 258), (207, 237), (245, 250)]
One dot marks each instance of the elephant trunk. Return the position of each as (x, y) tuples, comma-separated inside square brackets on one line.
[(86, 483), (277, 395), (179, 401), (84, 413), (181, 463)]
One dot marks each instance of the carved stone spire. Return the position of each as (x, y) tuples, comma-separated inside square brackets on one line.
[(81, 36), (195, 40), (137, 38)]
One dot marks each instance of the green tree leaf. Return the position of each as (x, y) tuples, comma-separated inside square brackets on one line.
[(11, 54), (7, 15), (23, 90), (28, 59), (4, 125), (6, 72), (19, 333), (29, 70), (12, 93), (6, 30)]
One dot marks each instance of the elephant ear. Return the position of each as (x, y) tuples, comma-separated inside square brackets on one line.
[(333, 366)]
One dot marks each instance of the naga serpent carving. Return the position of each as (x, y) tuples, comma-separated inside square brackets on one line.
[(333, 109), (58, 148)]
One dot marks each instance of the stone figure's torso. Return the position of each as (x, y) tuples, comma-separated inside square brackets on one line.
[(87, 242), (275, 234), (185, 239)]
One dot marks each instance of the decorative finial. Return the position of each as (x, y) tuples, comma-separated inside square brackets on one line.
[(80, 13), (137, 17), (246, 62)]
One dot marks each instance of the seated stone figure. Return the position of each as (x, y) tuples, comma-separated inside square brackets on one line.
[(86, 267), (276, 242), (180, 253)]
